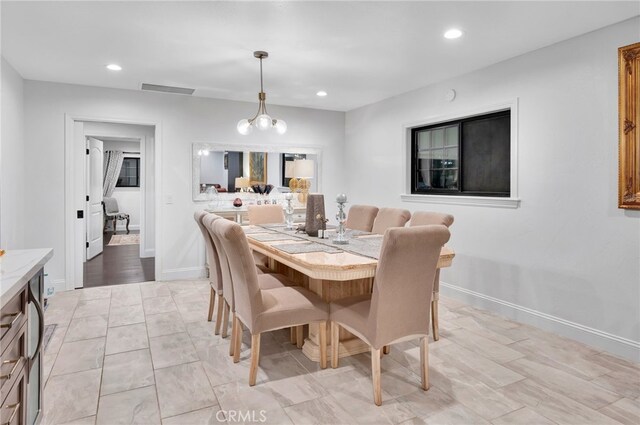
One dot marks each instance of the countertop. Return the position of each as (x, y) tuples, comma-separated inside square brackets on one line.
[(17, 267)]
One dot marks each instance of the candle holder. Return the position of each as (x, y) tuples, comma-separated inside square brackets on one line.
[(342, 218), (288, 210)]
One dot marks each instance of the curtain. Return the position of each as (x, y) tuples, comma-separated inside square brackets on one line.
[(112, 166)]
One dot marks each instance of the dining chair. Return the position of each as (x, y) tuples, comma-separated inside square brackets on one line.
[(394, 311), (390, 217), (422, 218), (361, 217), (265, 214), (266, 281), (215, 276), (262, 310)]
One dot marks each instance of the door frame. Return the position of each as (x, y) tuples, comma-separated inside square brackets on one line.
[(75, 198)]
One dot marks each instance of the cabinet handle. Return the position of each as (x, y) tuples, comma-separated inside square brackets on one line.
[(16, 408), (16, 316), (16, 363), (36, 303)]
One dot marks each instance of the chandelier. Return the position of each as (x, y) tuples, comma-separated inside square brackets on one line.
[(261, 119)]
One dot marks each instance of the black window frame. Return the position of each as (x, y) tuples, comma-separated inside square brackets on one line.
[(460, 190), (136, 160)]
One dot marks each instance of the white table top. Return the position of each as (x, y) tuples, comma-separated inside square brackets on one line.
[(17, 267)]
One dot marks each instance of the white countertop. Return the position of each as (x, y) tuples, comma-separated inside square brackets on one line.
[(17, 267)]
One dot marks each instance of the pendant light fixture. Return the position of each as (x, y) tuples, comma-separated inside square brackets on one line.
[(262, 120)]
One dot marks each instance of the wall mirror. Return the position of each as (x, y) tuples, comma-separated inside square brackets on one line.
[(219, 165), (629, 116)]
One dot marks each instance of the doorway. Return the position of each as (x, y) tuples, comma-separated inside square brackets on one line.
[(114, 241)]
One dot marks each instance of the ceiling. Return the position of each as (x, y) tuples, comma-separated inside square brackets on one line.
[(359, 52)]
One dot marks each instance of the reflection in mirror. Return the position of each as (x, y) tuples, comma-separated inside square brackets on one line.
[(215, 167)]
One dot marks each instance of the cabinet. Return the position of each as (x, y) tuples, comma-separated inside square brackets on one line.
[(21, 332)]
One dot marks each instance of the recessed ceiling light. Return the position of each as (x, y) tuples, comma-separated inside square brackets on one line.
[(321, 93), (453, 33), (114, 67)]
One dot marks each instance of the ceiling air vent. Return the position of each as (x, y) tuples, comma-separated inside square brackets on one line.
[(167, 89)]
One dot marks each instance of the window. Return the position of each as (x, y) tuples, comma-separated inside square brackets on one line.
[(129, 173), (470, 156)]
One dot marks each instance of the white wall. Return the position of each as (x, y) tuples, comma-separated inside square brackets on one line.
[(12, 160), (568, 253), (128, 197), (183, 120)]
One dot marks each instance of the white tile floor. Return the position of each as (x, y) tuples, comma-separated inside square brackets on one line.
[(145, 354)]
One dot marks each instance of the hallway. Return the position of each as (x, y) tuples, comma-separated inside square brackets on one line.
[(118, 265)]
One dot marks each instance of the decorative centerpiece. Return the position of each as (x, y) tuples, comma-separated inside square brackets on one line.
[(323, 225), (237, 202), (288, 210), (315, 207), (340, 239)]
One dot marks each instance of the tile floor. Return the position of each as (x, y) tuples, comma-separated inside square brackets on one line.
[(144, 353)]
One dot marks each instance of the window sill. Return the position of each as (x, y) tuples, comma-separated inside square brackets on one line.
[(478, 201)]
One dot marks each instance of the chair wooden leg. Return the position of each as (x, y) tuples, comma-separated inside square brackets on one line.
[(299, 336), (237, 340), (225, 320), (219, 314), (335, 344), (375, 372), (128, 225), (212, 302), (234, 333), (424, 362), (323, 344), (292, 335), (255, 359), (386, 349), (434, 319)]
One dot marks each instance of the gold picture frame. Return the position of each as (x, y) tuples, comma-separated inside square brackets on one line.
[(258, 167), (628, 121)]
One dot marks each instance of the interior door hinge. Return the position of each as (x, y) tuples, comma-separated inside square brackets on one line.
[(87, 151), (87, 244), (87, 198)]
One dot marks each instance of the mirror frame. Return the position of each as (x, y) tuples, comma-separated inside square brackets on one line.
[(278, 149), (629, 133)]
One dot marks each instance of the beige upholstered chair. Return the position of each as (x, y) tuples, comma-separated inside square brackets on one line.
[(266, 281), (265, 214), (422, 218), (390, 217), (215, 276), (361, 217), (260, 309), (394, 311)]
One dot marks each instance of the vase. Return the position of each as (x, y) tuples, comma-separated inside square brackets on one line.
[(237, 202), (315, 207)]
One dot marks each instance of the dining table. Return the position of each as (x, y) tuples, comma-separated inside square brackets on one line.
[(329, 270)]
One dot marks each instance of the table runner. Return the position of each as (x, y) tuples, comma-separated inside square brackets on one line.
[(275, 236), (303, 248), (366, 247)]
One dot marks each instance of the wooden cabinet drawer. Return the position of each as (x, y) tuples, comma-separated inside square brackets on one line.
[(12, 361), (12, 316), (13, 407)]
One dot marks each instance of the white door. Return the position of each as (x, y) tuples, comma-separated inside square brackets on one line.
[(96, 221)]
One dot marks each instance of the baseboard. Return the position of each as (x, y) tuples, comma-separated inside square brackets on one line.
[(149, 253), (183, 273), (614, 344), (54, 286)]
